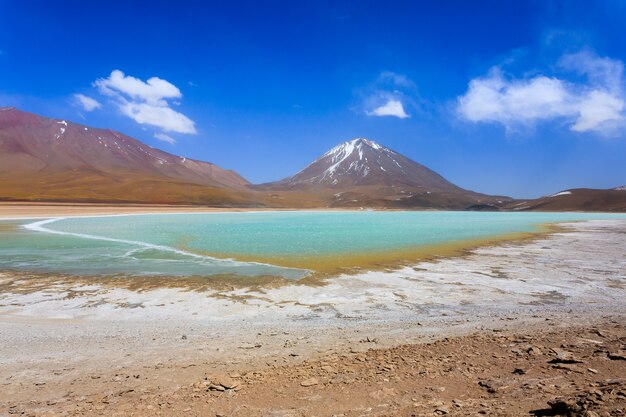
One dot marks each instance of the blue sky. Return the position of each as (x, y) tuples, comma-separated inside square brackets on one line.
[(519, 98)]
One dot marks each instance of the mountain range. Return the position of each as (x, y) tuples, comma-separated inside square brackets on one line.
[(44, 159)]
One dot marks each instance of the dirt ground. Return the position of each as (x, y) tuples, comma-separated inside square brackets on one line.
[(555, 371)]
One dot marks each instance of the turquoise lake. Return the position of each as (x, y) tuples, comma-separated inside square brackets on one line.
[(177, 244)]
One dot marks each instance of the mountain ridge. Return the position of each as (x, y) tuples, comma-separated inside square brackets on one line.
[(47, 159), (54, 160), (55, 144), (575, 199)]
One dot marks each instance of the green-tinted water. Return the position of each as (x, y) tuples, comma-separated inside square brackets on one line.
[(178, 244)]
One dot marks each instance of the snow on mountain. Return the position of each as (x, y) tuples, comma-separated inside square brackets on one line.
[(561, 193), (362, 161), (359, 165)]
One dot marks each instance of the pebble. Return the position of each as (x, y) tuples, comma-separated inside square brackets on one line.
[(250, 346), (441, 410), (568, 367), (309, 382), (617, 356), (564, 356), (225, 381)]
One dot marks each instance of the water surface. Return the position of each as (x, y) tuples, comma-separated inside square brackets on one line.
[(243, 243)]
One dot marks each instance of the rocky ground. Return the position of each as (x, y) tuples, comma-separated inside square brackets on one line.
[(559, 370)]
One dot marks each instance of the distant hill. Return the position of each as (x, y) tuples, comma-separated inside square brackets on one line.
[(576, 199), (361, 172), (53, 159)]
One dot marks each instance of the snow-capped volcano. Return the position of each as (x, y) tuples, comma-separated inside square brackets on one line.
[(361, 172), (362, 161)]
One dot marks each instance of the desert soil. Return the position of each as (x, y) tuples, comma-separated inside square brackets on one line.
[(554, 368)]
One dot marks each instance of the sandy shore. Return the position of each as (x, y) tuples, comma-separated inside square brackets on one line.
[(34, 210), (45, 210), (73, 348)]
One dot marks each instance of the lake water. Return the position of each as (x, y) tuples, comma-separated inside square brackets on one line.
[(205, 244)]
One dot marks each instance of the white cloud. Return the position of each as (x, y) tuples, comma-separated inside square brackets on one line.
[(146, 102), (603, 73), (395, 79), (163, 117), (391, 108), (154, 91), (597, 110), (594, 104), (165, 138), (495, 99), (86, 102), (388, 95)]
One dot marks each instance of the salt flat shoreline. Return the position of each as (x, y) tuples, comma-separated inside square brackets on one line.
[(17, 210), (58, 335), (22, 210)]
